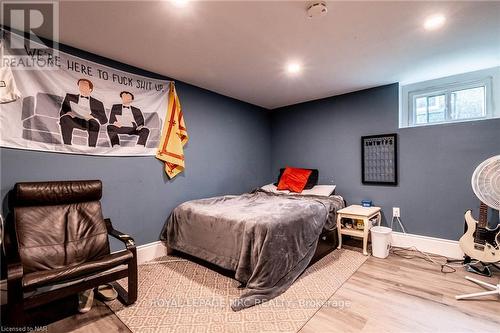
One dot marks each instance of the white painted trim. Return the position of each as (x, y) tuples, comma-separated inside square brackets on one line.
[(489, 76), (440, 246), (444, 247), (150, 251)]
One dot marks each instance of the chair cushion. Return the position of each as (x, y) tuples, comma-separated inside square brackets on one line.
[(63, 274), (51, 237)]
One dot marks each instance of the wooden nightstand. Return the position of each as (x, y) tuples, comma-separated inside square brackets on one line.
[(357, 212)]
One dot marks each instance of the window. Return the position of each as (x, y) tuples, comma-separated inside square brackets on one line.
[(459, 98)]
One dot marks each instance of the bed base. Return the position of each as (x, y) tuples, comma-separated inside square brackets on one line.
[(170, 250), (327, 243)]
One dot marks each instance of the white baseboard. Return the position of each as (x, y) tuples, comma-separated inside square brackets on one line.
[(443, 247), (150, 251)]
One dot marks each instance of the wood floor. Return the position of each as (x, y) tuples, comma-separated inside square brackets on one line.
[(401, 295), (384, 295)]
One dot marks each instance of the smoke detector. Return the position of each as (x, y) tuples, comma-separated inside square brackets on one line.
[(317, 9)]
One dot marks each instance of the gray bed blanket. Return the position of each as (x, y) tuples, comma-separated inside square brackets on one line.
[(268, 239)]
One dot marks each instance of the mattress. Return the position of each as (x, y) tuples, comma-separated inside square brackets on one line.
[(267, 238)]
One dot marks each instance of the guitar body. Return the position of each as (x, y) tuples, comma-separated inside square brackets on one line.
[(480, 243)]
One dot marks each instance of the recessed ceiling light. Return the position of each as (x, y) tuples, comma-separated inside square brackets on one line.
[(293, 68), (180, 3), (434, 22)]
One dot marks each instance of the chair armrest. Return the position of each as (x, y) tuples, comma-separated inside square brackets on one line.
[(126, 239)]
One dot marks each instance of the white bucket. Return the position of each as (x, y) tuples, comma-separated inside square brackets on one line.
[(381, 241)]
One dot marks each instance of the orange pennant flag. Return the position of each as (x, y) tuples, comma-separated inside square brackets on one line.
[(174, 136)]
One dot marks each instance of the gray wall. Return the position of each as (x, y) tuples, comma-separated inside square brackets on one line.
[(435, 162), (228, 153), (235, 147)]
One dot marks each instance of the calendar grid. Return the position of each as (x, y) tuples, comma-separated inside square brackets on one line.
[(379, 159)]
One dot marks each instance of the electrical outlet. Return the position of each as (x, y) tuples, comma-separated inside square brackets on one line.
[(396, 212)]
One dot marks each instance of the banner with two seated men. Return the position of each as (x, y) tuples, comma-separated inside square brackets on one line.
[(53, 101)]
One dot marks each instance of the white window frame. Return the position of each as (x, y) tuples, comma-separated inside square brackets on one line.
[(488, 79)]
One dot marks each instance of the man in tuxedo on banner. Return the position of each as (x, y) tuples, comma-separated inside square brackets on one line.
[(126, 119), (82, 111)]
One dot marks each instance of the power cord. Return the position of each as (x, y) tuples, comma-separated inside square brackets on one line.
[(399, 222), (403, 252), (409, 253)]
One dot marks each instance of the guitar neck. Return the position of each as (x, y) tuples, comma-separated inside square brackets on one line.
[(483, 216)]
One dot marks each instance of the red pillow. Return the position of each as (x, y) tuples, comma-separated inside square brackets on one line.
[(294, 179)]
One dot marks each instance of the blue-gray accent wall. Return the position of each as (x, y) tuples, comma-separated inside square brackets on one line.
[(235, 146), (435, 162), (228, 153)]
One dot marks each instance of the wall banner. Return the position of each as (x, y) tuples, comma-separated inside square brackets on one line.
[(53, 101)]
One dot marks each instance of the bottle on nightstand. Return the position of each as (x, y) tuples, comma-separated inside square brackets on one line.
[(360, 224)]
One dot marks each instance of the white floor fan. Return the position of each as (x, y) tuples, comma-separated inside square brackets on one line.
[(480, 242)]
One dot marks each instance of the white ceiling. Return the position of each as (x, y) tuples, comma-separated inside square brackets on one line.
[(239, 48)]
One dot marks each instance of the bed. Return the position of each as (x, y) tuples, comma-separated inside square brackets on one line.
[(268, 238)]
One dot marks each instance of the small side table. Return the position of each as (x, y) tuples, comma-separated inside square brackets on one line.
[(357, 212)]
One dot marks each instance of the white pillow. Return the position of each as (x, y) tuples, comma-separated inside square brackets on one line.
[(321, 190), (273, 189)]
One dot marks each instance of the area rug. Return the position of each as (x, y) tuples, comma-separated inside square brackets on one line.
[(177, 295)]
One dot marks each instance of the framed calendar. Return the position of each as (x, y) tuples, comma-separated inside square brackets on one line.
[(379, 159)]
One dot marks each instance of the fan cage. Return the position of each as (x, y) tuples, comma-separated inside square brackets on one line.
[(486, 182)]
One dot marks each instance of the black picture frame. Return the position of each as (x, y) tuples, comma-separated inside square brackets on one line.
[(386, 161)]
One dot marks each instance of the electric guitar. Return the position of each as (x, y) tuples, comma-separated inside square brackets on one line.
[(480, 242)]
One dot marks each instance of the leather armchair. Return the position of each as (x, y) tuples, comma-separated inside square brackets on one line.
[(56, 243)]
